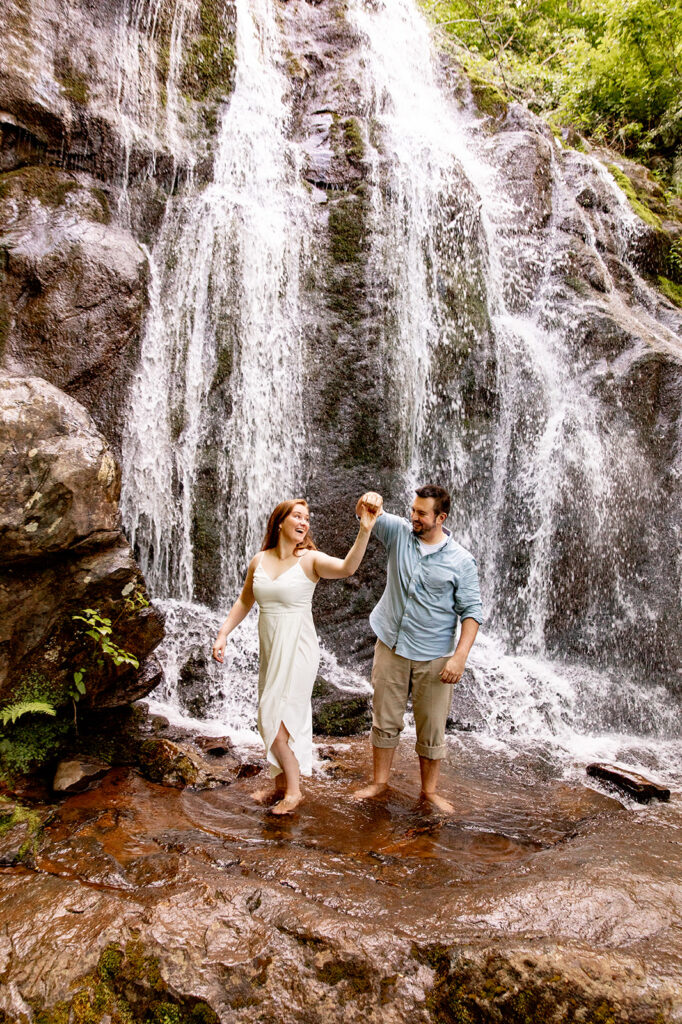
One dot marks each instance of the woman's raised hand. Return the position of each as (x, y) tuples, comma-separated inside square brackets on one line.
[(369, 508)]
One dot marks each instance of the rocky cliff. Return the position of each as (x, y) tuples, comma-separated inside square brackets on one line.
[(61, 553)]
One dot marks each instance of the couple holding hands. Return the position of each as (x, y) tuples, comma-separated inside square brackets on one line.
[(431, 585)]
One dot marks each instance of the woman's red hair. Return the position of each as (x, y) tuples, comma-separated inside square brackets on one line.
[(280, 513)]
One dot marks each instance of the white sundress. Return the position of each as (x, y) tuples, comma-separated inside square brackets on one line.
[(289, 659)]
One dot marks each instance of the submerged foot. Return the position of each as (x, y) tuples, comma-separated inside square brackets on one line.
[(288, 804), (437, 802), (367, 792)]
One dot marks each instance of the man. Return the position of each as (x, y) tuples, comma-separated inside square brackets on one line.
[(432, 583)]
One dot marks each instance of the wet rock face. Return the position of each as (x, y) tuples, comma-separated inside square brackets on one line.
[(72, 288), (540, 901), (62, 551)]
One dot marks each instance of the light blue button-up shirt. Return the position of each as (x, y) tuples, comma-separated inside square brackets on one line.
[(425, 595)]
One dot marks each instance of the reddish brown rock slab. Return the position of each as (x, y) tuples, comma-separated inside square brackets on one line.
[(635, 785)]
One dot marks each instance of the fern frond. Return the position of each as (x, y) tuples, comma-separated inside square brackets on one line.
[(11, 712)]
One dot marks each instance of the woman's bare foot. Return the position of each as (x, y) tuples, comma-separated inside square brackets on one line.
[(439, 802), (288, 804), (367, 792)]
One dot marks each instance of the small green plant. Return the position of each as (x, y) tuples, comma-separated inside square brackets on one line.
[(11, 712), (22, 748), (76, 692), (134, 601), (675, 259), (100, 630)]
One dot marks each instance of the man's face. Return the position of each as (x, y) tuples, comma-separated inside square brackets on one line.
[(425, 522)]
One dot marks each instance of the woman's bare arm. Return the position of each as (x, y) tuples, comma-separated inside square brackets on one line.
[(330, 568), (238, 612)]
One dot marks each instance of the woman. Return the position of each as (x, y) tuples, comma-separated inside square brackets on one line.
[(281, 578)]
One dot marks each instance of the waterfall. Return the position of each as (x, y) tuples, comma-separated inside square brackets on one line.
[(222, 337), (555, 499), (495, 393), (147, 99), (217, 395), (425, 227)]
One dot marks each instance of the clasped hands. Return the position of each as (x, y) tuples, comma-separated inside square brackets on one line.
[(368, 509)]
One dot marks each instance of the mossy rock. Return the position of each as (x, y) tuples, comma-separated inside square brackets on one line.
[(74, 84), (671, 290), (488, 98), (210, 60), (642, 210), (126, 987), (20, 831), (337, 713), (49, 185), (354, 143), (493, 989), (164, 762), (348, 229)]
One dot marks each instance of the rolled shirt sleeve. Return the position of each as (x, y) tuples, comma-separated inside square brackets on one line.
[(387, 527), (468, 592)]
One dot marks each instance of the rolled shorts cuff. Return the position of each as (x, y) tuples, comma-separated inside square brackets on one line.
[(381, 739), (433, 753)]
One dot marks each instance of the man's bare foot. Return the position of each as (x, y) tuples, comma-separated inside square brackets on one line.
[(288, 804), (439, 802), (367, 792)]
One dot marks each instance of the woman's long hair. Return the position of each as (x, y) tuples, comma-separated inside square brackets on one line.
[(280, 513)]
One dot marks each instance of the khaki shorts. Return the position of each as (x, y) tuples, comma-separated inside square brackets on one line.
[(392, 678)]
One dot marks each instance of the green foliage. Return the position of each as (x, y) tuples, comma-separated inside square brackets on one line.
[(100, 631), (11, 712), (24, 745), (671, 290), (612, 68), (31, 743)]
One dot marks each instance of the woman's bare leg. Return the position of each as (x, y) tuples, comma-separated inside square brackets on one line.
[(287, 759)]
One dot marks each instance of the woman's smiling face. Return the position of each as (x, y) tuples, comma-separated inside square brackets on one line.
[(296, 525)]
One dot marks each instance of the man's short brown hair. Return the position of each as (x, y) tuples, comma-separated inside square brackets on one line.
[(441, 498)]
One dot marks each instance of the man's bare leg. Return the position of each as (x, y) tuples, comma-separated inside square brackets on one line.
[(286, 757), (430, 773), (383, 759)]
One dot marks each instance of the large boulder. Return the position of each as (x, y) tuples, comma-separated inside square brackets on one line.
[(62, 552)]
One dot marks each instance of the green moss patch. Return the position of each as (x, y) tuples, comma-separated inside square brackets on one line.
[(642, 211), (354, 143), (48, 185), (126, 987), (671, 290), (13, 816), (74, 84), (488, 98), (347, 229), (209, 66)]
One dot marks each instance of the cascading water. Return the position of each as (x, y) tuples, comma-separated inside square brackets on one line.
[(568, 489), (219, 383), (147, 93)]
